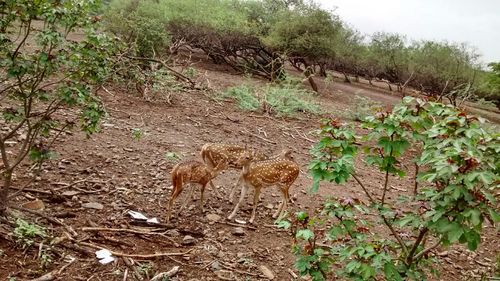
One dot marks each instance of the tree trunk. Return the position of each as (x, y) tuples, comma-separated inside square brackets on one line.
[(389, 84), (309, 76), (356, 78), (370, 82), (4, 190), (346, 78)]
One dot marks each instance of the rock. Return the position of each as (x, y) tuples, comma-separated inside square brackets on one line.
[(34, 205), (238, 231), (70, 193), (188, 240), (269, 206), (93, 205), (443, 254), (240, 255), (215, 266), (267, 272), (213, 217)]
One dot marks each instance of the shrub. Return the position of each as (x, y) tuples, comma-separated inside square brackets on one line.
[(244, 96), (45, 72), (362, 107), (25, 232), (287, 100), (458, 173)]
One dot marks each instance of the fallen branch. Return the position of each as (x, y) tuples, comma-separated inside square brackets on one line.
[(236, 224), (303, 135), (97, 229), (163, 275), (55, 273), (241, 271), (148, 256), (174, 72), (257, 136)]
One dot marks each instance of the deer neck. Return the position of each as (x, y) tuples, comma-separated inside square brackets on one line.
[(246, 168)]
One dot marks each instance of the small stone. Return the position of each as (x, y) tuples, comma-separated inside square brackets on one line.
[(70, 193), (238, 231), (93, 205), (188, 240), (215, 266), (267, 272), (443, 254), (269, 206), (213, 217)]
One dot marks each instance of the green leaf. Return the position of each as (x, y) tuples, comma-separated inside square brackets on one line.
[(473, 239), (283, 224), (305, 234), (455, 233), (494, 215), (302, 216), (367, 271), (391, 273), (474, 215)]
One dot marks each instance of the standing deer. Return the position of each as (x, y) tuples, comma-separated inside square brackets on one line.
[(224, 156), (191, 172), (280, 171)]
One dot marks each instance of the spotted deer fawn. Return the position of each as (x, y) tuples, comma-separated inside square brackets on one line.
[(189, 172), (281, 171), (224, 156)]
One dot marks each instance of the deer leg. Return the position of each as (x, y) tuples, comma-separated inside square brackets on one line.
[(191, 191), (255, 203), (233, 190), (242, 197), (175, 193), (286, 197), (217, 193), (201, 199)]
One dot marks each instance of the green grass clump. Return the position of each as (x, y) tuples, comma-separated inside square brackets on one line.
[(287, 100), (283, 100), (244, 96)]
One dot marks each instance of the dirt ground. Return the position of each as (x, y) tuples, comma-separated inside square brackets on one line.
[(116, 172)]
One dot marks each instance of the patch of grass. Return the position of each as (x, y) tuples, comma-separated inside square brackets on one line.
[(244, 95), (288, 99), (172, 156), (25, 232), (46, 258), (362, 107), (146, 269), (485, 104), (284, 99)]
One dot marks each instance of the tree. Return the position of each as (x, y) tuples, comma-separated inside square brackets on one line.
[(442, 68), (391, 54), (43, 72)]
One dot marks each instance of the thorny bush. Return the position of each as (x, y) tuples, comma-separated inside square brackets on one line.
[(457, 174)]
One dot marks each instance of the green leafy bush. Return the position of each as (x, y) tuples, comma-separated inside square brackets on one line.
[(244, 96), (25, 232), (457, 167), (45, 72), (362, 107), (287, 100)]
